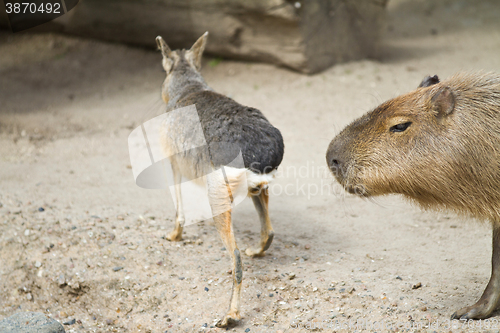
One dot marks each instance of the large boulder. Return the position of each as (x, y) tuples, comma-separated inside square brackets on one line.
[(30, 322)]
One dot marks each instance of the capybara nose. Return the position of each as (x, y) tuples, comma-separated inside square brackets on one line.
[(334, 163), (334, 160)]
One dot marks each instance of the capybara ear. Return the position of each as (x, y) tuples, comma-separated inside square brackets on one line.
[(443, 102), (168, 62), (195, 53), (428, 81)]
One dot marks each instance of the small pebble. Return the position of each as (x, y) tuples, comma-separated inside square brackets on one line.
[(38, 264), (205, 325), (181, 277), (206, 289), (307, 246), (399, 277), (117, 268), (109, 321), (291, 276), (247, 330), (271, 295), (41, 209), (416, 286), (70, 322), (61, 280), (223, 249)]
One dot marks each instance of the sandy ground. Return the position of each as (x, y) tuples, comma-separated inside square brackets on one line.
[(79, 240)]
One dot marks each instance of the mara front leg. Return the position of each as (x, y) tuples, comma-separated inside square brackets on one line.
[(261, 203), (176, 234), (490, 299)]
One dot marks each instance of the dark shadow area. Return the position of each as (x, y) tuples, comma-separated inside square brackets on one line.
[(413, 19), (418, 29), (49, 70)]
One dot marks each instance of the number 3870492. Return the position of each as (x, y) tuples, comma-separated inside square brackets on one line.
[(32, 8)]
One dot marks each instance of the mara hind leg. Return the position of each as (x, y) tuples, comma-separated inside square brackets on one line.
[(261, 203), (490, 300), (220, 197), (224, 227), (176, 234)]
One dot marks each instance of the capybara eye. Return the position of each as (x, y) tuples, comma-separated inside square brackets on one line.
[(400, 127)]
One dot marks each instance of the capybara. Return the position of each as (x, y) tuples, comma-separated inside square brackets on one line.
[(229, 130), (438, 145)]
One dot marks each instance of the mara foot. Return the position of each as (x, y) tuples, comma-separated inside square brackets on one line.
[(254, 252), (230, 319), (174, 236)]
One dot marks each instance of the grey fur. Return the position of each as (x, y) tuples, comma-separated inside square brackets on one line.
[(227, 125)]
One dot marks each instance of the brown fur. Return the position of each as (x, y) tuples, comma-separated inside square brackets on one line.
[(449, 161), (438, 145)]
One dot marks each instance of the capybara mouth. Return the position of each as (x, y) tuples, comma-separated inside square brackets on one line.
[(358, 189)]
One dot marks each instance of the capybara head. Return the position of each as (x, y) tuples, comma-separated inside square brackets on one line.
[(438, 145), (181, 66)]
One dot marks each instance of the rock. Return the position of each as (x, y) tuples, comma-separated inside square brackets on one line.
[(41, 209), (117, 268), (30, 322), (70, 322), (307, 36)]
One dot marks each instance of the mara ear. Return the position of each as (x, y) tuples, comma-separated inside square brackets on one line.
[(429, 81), (166, 53), (443, 102), (194, 54)]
